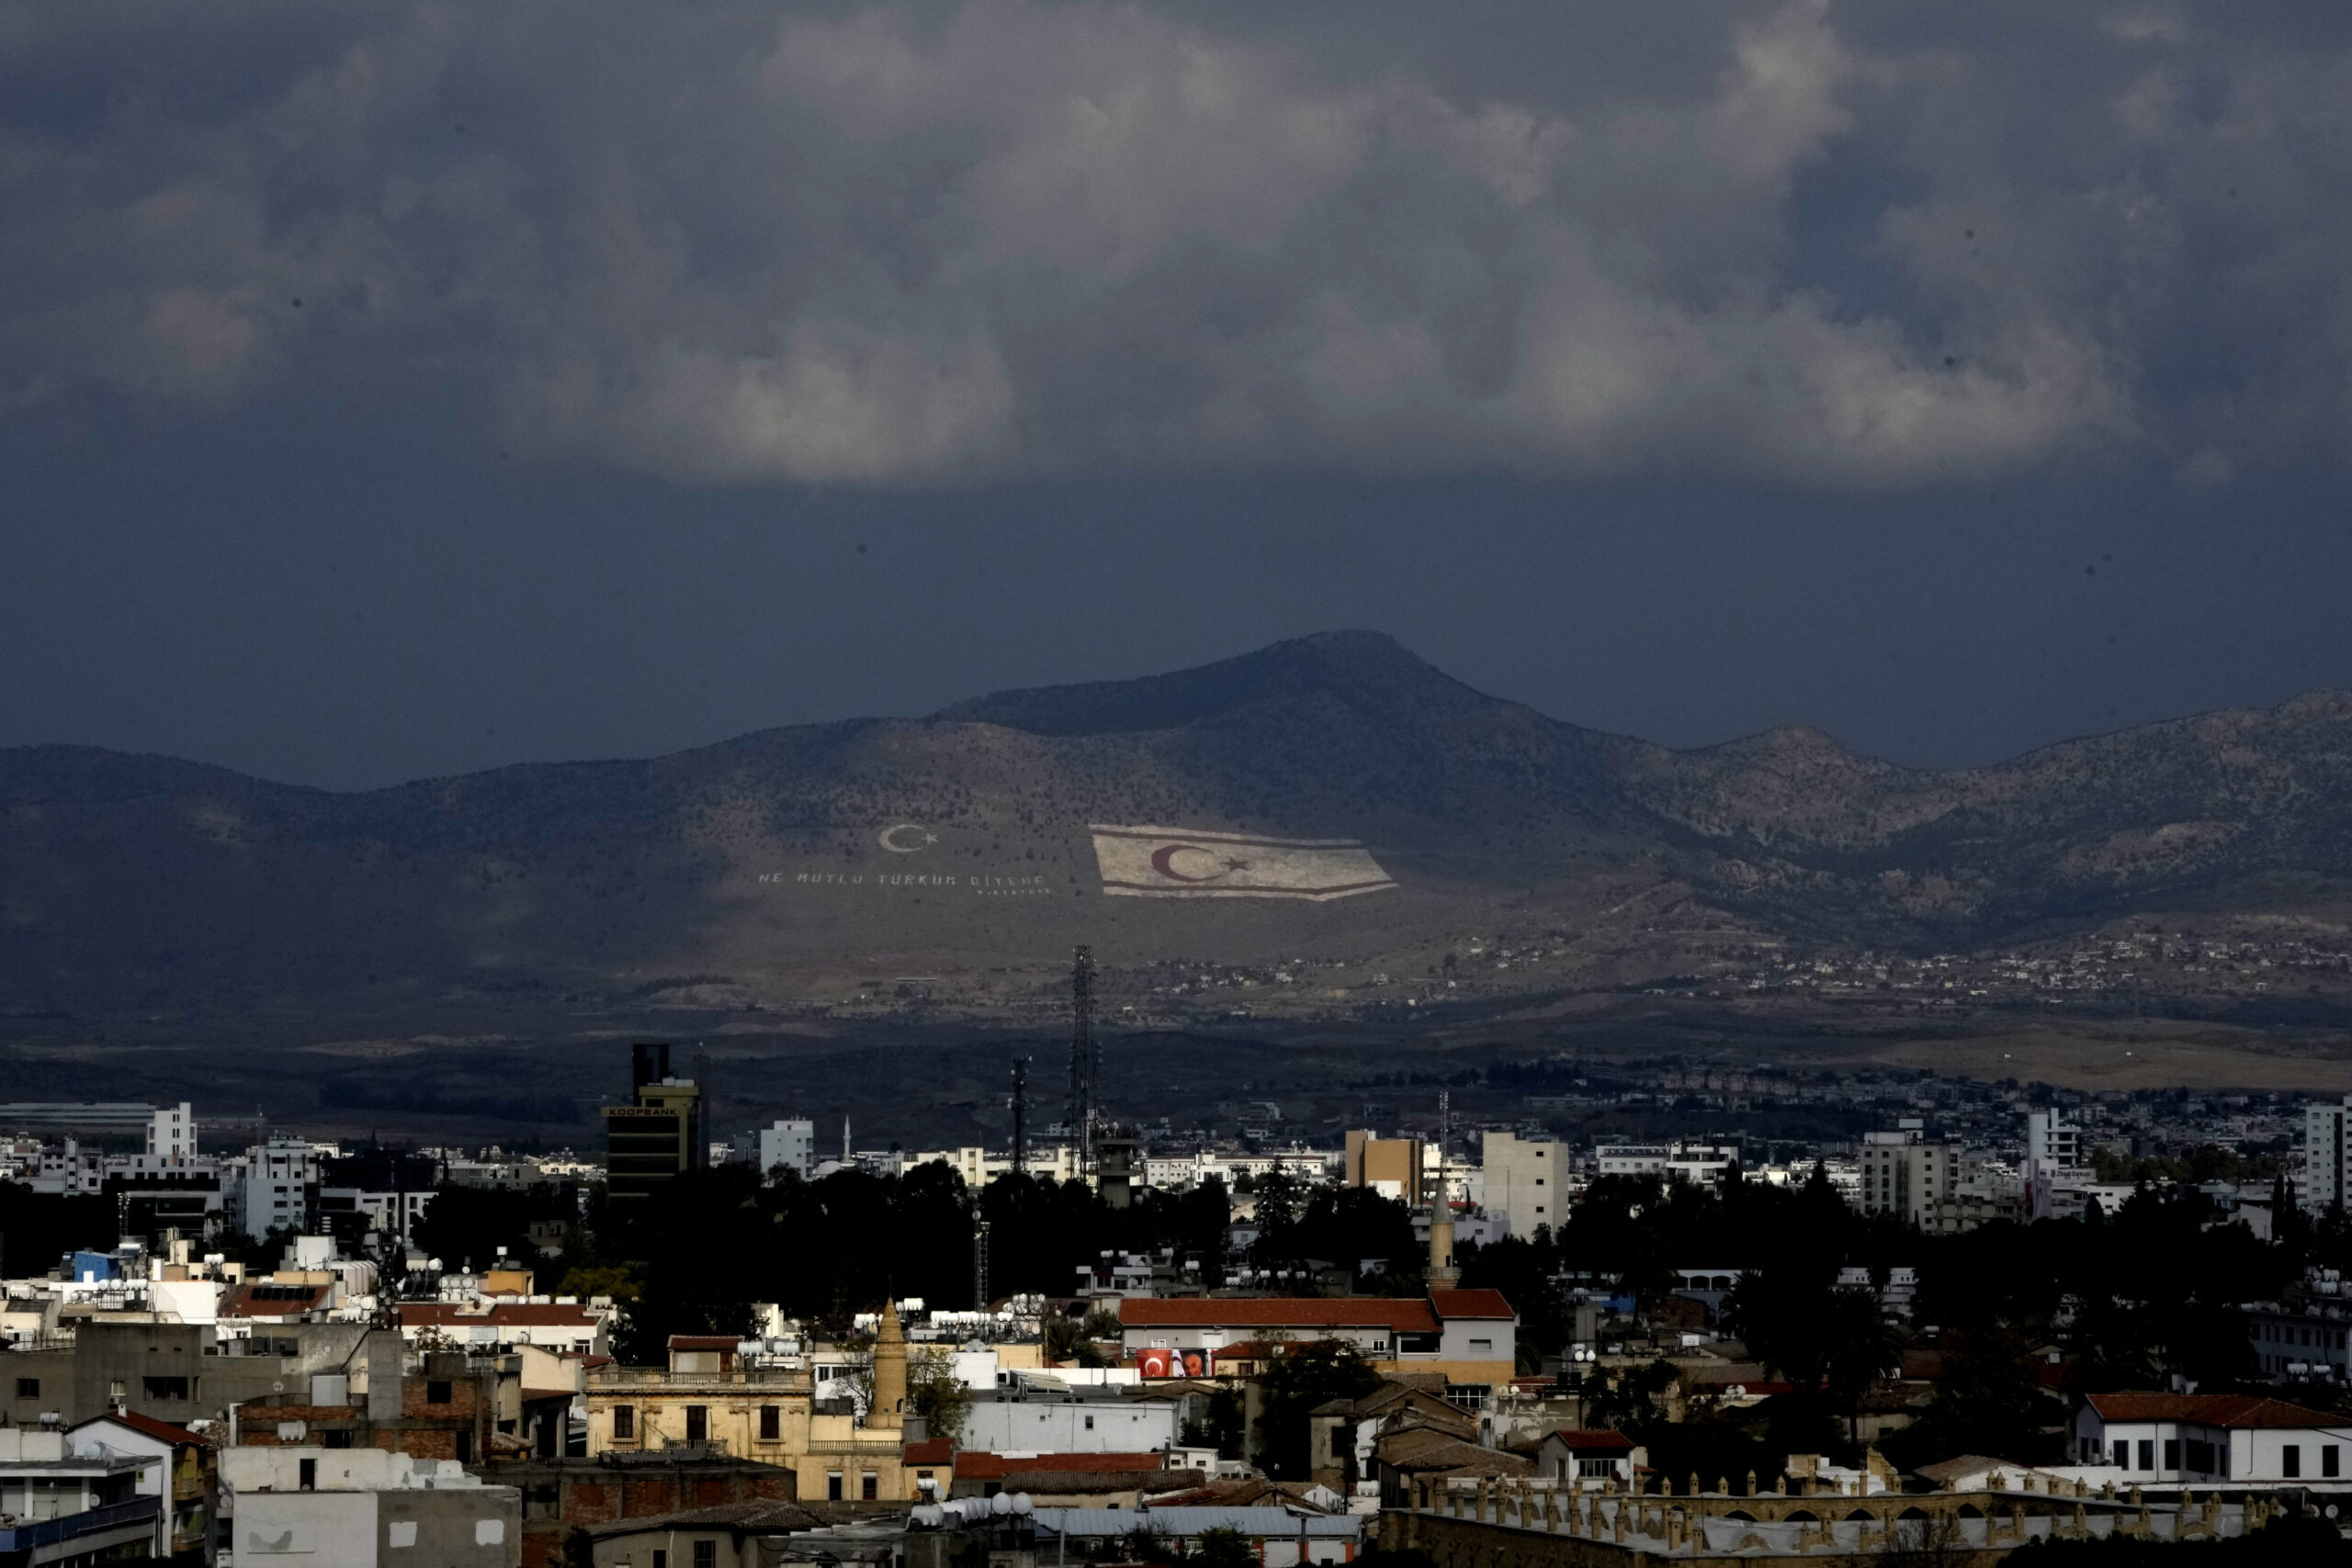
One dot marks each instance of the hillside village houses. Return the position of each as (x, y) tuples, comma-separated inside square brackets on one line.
[(386, 1405)]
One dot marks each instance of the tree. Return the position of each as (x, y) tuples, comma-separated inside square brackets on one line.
[(1524, 1272), (1355, 1225), (1223, 1428), (1309, 1375), (1065, 1339), (1782, 1314), (936, 1393), (1282, 1199), (1989, 1401), (1631, 1402), (1863, 1347), (466, 1224), (1222, 1548), (613, 1279)]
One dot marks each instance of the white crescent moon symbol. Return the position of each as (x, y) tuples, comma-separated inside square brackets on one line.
[(1163, 862), (887, 838)]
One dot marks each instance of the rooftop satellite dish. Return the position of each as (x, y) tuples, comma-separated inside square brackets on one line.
[(277, 1387)]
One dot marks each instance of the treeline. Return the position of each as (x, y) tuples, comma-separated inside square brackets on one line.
[(2132, 1297), (717, 1242), (2013, 1319)]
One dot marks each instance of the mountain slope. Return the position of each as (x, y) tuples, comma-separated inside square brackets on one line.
[(150, 882)]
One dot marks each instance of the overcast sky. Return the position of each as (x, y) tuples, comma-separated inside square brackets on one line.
[(398, 390)]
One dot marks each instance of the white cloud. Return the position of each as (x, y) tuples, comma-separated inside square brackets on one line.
[(900, 243)]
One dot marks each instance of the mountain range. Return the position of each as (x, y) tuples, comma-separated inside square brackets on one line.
[(756, 869)]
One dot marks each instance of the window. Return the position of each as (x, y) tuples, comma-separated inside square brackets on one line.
[(623, 1423), (2290, 1460), (869, 1486), (661, 1558), (2171, 1453), (1090, 1423), (705, 1554), (771, 1422), (465, 1448), (697, 1423), (2147, 1453), (309, 1475), (336, 1440), (2327, 1462), (165, 1388), (1486, 1345), (28, 1388), (437, 1392), (832, 1486)]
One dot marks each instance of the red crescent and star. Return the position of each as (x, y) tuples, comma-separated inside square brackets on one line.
[(1163, 857)]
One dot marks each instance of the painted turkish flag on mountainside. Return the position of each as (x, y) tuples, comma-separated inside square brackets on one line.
[(1181, 862)]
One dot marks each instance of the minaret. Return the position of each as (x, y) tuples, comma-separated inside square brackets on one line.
[(1443, 1275), (889, 1372)]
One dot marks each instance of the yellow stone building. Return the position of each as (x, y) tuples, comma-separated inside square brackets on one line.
[(706, 1399)]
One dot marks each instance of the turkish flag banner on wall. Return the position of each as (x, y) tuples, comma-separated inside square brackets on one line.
[(1186, 863)]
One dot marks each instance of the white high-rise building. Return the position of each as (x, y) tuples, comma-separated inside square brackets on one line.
[(1904, 1174), (2326, 1176), (280, 1187), (170, 1138), (792, 1144), (1525, 1182), (2051, 1144)]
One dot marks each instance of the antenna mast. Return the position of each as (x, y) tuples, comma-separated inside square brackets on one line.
[(1020, 1116), (1444, 1136), (1085, 1059), (979, 1260)]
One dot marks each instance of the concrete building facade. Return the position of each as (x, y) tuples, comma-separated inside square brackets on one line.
[(1391, 1166), (1527, 1181), (2327, 1162), (1904, 1175), (359, 1508)]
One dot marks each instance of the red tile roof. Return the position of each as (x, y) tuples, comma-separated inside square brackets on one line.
[(501, 1315), (930, 1451), (974, 1465), (1471, 1303), (1600, 1443), (1403, 1314), (164, 1431), (2210, 1410)]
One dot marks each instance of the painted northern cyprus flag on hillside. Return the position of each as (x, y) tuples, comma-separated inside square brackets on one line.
[(1184, 863)]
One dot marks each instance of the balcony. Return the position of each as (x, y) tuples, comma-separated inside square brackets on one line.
[(139, 1514)]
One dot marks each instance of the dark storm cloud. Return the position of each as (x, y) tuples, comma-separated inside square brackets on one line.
[(1854, 245)]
